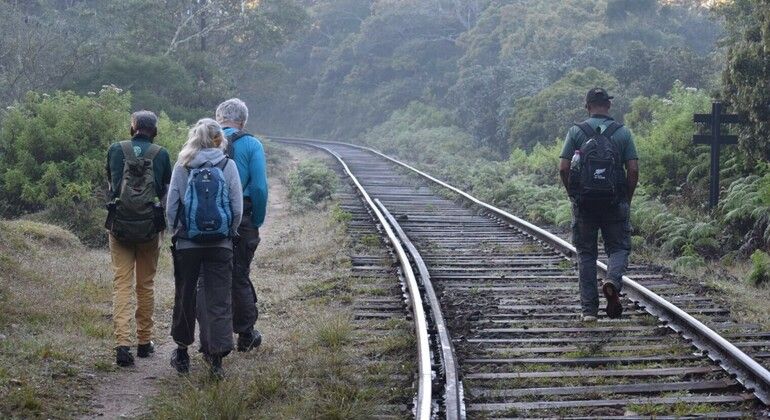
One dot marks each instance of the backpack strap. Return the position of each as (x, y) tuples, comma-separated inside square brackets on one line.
[(235, 135), (586, 129), (232, 138), (223, 164), (611, 129), (152, 151), (128, 149)]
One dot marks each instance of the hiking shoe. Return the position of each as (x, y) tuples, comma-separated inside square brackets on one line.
[(145, 350), (123, 356), (180, 360), (216, 367), (587, 318), (614, 307), (248, 341)]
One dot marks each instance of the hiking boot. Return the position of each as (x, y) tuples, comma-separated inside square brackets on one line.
[(180, 360), (248, 341), (123, 356), (145, 350), (215, 366), (614, 307)]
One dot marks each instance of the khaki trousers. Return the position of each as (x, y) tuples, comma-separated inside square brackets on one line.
[(127, 259)]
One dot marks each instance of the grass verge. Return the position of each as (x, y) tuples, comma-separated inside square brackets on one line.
[(55, 325), (309, 365)]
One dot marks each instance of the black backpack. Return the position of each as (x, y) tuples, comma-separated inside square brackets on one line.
[(598, 179), (231, 139)]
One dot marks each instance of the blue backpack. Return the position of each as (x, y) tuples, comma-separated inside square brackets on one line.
[(207, 214)]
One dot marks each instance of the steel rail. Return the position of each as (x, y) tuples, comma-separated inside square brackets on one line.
[(424, 397), (453, 389), (747, 371)]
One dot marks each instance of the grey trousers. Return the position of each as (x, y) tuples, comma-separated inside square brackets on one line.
[(616, 234)]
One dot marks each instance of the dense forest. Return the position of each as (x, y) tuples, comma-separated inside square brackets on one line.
[(480, 92)]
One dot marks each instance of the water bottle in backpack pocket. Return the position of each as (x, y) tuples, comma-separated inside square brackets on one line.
[(206, 211), (599, 173)]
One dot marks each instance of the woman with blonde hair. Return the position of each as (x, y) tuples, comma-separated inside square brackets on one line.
[(204, 209)]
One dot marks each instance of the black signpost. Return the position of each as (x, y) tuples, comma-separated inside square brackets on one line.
[(715, 139)]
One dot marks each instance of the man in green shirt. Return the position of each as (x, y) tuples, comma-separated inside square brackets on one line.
[(132, 258), (612, 220)]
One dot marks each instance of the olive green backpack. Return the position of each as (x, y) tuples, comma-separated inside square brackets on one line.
[(133, 214)]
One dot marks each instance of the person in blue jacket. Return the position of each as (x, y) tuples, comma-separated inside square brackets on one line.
[(249, 156)]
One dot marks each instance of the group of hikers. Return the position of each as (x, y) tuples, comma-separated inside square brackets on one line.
[(213, 200)]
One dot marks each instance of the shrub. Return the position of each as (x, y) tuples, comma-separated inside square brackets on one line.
[(550, 112), (52, 155), (311, 184), (760, 268), (47, 142), (663, 130), (745, 213)]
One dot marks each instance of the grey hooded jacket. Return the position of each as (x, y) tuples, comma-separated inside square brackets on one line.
[(177, 190)]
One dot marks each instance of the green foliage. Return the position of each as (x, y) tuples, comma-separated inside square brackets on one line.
[(358, 63), (311, 184), (163, 83), (550, 112), (675, 231), (181, 58), (689, 261), (663, 130), (760, 268), (747, 73), (340, 215), (53, 152), (48, 143), (745, 213), (426, 133)]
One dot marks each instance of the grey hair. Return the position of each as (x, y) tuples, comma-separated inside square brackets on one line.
[(232, 110), (144, 120), (201, 136)]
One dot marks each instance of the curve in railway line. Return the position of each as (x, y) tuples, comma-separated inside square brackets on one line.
[(509, 296)]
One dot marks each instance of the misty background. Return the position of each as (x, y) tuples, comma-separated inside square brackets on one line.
[(479, 92)]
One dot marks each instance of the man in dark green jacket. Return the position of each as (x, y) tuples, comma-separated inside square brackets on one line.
[(613, 221), (132, 258)]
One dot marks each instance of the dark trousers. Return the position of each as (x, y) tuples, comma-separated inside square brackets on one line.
[(616, 233), (245, 311), (214, 306)]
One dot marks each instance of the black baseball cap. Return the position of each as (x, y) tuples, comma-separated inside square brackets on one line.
[(597, 95)]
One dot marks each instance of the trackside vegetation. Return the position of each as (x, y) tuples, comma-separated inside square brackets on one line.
[(310, 184), (50, 353), (53, 155), (480, 92), (316, 361)]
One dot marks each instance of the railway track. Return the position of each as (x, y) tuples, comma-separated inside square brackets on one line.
[(495, 299)]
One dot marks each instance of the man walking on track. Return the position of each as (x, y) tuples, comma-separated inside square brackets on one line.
[(249, 156), (599, 168), (139, 173)]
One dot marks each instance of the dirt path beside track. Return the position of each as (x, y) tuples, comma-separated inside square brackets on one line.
[(128, 392)]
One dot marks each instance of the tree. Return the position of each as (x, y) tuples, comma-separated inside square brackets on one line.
[(549, 113), (42, 48), (747, 76), (181, 58)]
